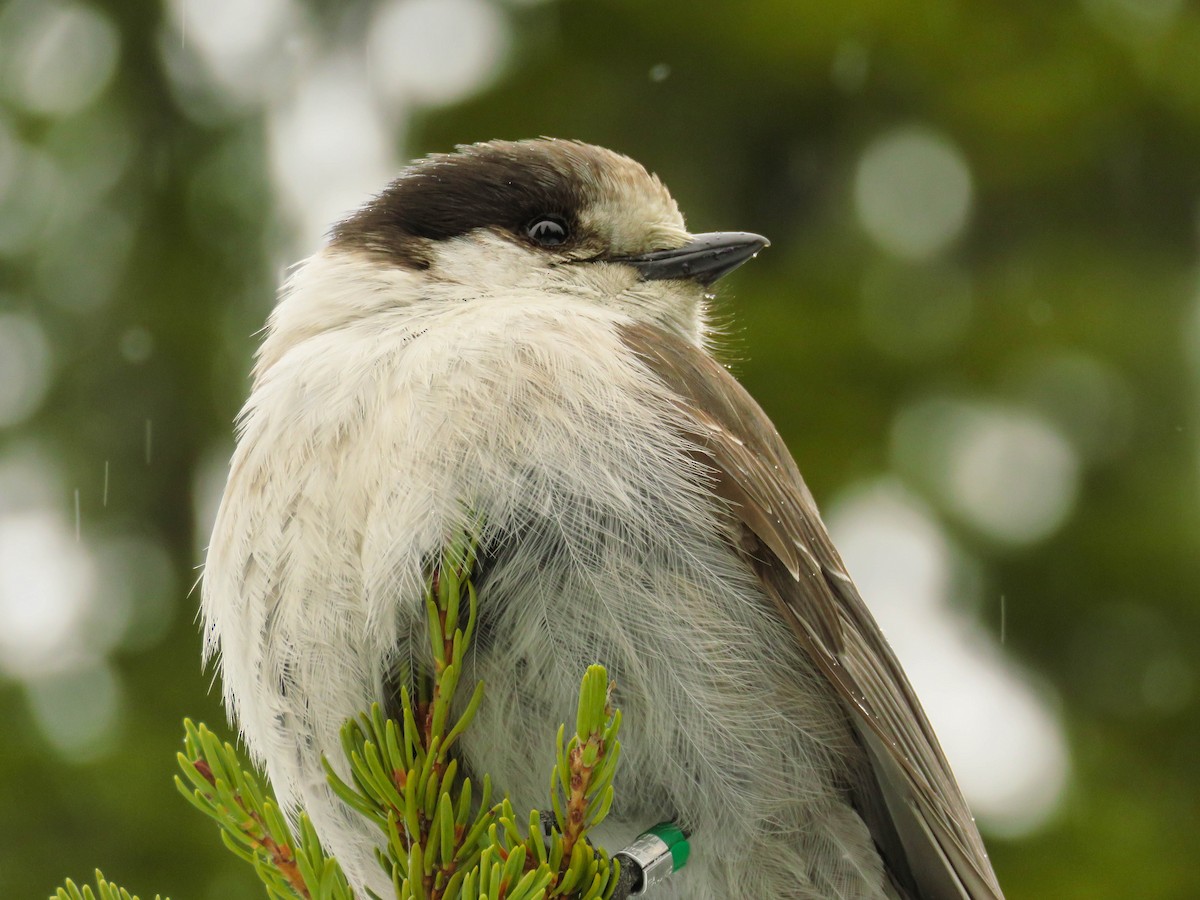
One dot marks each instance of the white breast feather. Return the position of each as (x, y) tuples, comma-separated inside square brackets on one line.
[(364, 447)]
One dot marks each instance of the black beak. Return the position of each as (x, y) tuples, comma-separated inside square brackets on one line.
[(704, 259)]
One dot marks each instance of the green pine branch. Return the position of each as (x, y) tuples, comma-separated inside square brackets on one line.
[(103, 891), (220, 785), (444, 836)]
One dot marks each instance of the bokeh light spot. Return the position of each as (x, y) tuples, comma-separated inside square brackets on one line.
[(46, 586), (77, 711), (93, 151), (435, 52), (1003, 741), (912, 192), (79, 266), (59, 56), (1013, 475), (24, 367), (329, 149), (136, 590), (9, 157), (242, 47), (1128, 18), (1089, 398), (32, 201), (1008, 472)]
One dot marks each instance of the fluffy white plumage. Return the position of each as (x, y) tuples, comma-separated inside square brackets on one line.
[(391, 404)]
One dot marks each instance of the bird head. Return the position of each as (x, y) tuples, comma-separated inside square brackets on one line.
[(512, 219)]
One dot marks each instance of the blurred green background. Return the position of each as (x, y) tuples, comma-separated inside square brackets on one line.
[(978, 327)]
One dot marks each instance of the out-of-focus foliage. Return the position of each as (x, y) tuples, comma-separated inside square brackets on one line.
[(978, 328)]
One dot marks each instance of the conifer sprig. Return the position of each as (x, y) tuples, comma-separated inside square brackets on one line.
[(103, 891), (444, 839), (404, 778), (252, 825)]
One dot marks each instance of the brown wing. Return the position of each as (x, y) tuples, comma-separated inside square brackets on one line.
[(915, 809)]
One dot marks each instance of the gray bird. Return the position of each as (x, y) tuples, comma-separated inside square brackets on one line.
[(517, 334)]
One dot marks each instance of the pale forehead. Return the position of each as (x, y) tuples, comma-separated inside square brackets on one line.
[(632, 205)]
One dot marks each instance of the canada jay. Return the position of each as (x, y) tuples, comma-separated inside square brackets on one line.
[(517, 335)]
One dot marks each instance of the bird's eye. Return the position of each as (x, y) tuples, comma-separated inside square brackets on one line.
[(548, 231)]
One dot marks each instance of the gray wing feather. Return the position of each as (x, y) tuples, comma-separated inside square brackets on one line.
[(914, 808)]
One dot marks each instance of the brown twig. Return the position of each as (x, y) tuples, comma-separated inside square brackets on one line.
[(283, 860), (281, 855), (580, 780)]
